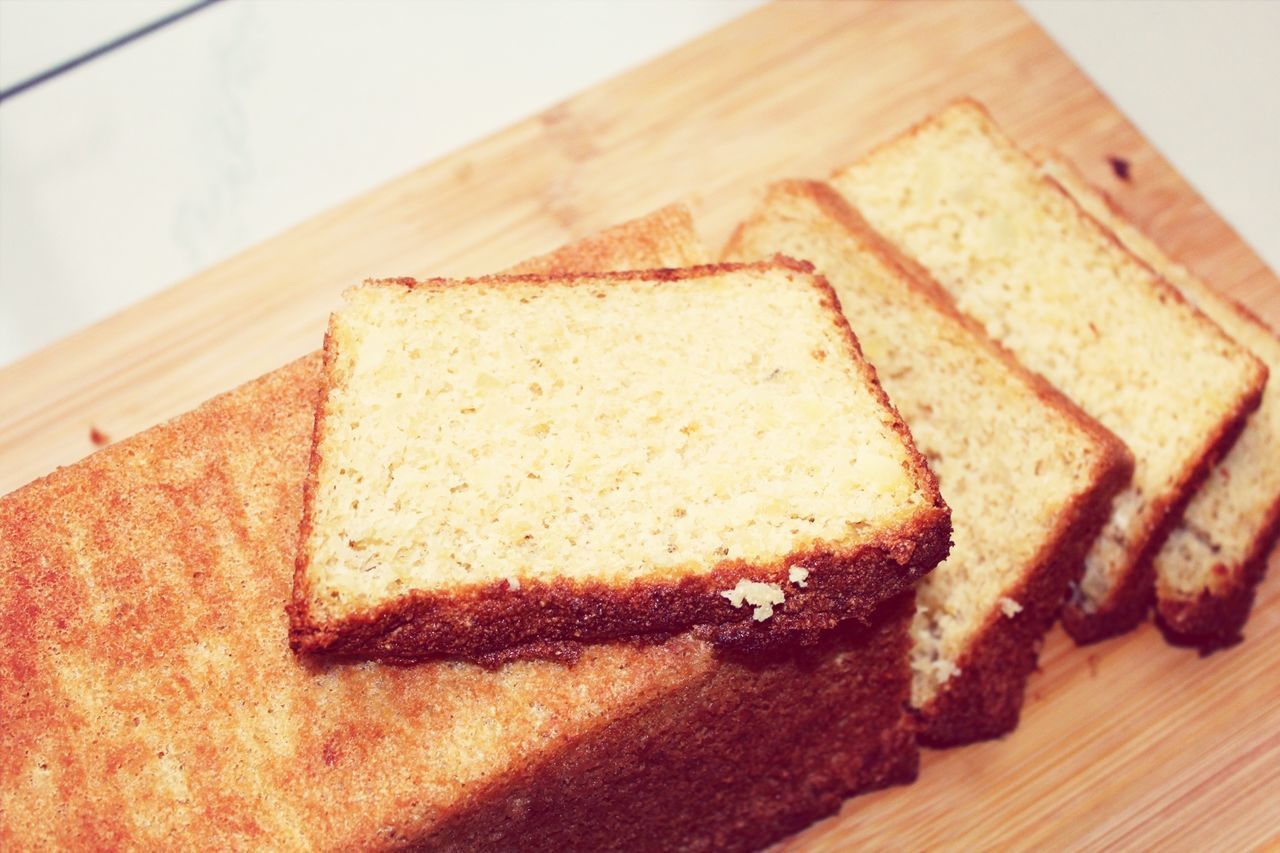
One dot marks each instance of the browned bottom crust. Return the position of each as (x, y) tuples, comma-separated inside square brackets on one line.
[(542, 620), (755, 751), (1211, 622), (1128, 607), (1134, 596), (985, 699)]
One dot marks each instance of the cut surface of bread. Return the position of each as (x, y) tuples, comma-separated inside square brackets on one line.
[(150, 699), (506, 463), (1021, 521), (1054, 286), (1207, 570)]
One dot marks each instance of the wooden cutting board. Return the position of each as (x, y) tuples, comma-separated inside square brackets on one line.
[(1130, 743)]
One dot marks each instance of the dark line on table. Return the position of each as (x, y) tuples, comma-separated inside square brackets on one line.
[(63, 68)]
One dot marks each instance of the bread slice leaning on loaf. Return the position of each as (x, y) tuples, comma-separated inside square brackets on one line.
[(1056, 288), (1022, 519), (1212, 562), (151, 700), (513, 465)]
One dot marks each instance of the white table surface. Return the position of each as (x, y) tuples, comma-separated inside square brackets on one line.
[(158, 159)]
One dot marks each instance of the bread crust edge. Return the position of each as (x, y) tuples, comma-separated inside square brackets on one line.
[(837, 728)]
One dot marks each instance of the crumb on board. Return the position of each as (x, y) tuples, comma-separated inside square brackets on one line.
[(98, 437)]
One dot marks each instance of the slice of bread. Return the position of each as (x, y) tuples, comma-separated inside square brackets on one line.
[(1021, 523), (505, 465), (1208, 569), (1054, 286), (150, 698)]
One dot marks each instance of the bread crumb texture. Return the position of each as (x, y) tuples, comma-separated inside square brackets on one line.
[(1225, 525), (963, 402), (1017, 254), (609, 430)]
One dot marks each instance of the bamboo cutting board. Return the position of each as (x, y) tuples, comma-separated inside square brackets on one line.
[(1130, 743)]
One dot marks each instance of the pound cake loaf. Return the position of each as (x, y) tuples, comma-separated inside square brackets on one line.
[(1021, 522), (1054, 286), (1208, 568), (150, 699), (508, 465)]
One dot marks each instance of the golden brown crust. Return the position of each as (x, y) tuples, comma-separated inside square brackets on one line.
[(539, 618), (493, 622), (985, 699), (829, 725), (1216, 618), (665, 236)]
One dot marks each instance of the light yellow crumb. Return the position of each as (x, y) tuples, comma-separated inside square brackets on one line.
[(1009, 607), (946, 670), (761, 596), (798, 575)]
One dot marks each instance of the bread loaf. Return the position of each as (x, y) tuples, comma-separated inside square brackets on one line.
[(150, 699)]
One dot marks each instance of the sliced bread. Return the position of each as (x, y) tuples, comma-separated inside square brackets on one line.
[(1022, 523), (1213, 560), (1054, 286), (506, 465), (150, 699)]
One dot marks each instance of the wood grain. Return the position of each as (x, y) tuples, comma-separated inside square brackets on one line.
[(1129, 744)]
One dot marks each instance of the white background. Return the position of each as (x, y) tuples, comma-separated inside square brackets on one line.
[(159, 159)]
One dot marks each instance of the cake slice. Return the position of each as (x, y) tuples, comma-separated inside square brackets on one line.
[(1021, 525), (1211, 563), (508, 465), (150, 698), (1054, 286)]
